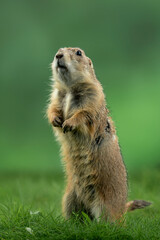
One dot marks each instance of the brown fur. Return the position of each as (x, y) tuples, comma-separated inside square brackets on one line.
[(137, 204), (96, 175)]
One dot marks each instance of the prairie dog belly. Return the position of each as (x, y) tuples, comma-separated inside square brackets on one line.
[(67, 104)]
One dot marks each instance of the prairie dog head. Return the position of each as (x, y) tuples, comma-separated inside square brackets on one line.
[(71, 66)]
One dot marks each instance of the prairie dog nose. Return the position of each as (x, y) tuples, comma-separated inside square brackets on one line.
[(59, 55)]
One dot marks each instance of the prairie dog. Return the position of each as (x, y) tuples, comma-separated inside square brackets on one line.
[(96, 174)]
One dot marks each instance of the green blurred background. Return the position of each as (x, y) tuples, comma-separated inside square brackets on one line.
[(123, 40)]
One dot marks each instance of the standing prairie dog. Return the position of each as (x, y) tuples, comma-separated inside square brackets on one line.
[(96, 175)]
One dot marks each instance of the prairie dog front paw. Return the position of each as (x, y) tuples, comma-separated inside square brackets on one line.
[(68, 126), (57, 121)]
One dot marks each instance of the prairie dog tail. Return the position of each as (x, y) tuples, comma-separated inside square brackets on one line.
[(136, 204)]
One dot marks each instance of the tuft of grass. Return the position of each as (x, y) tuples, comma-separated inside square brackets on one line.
[(30, 208)]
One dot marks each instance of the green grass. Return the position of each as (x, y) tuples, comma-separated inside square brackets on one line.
[(22, 195)]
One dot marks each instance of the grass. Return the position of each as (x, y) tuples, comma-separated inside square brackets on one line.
[(30, 208)]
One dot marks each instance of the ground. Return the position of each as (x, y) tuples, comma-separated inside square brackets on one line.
[(30, 208)]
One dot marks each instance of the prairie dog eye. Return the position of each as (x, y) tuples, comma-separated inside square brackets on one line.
[(79, 53)]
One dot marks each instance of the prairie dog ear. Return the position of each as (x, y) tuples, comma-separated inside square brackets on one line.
[(90, 62)]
